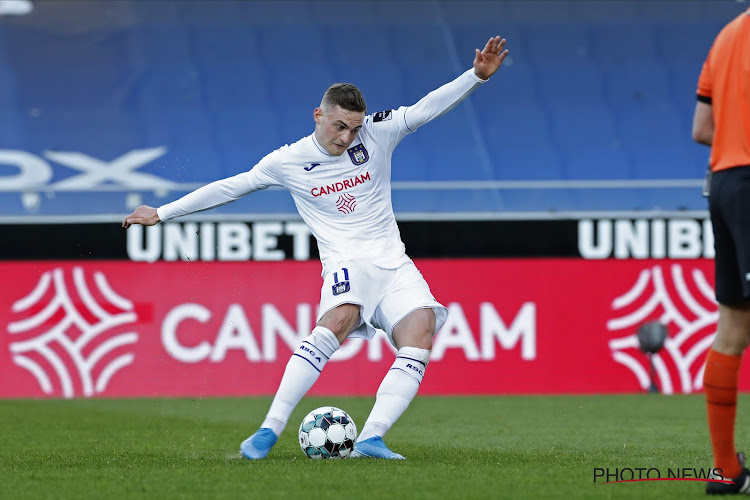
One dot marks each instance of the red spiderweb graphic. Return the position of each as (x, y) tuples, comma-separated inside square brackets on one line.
[(346, 203), (682, 300)]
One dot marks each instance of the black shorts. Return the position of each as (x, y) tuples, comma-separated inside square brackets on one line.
[(729, 204)]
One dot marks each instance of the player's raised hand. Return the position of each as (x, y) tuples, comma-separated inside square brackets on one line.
[(143, 215), (490, 58)]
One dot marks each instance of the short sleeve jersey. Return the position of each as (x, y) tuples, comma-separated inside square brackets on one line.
[(724, 83), (346, 199)]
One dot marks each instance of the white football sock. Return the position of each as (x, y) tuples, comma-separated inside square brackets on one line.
[(300, 374), (398, 388)]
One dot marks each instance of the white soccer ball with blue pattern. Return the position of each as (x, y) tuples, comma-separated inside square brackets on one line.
[(327, 432)]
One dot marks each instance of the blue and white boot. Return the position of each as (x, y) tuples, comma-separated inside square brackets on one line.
[(259, 444), (374, 448)]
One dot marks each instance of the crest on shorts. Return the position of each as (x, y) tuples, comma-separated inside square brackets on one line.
[(342, 286), (358, 154)]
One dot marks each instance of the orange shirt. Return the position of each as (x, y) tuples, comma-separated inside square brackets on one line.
[(725, 84)]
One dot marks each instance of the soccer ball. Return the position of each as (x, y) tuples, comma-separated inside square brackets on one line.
[(327, 432)]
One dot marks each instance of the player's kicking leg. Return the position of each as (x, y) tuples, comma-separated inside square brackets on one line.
[(301, 372), (413, 338)]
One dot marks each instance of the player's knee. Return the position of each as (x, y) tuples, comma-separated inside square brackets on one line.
[(341, 320), (416, 330), (424, 340)]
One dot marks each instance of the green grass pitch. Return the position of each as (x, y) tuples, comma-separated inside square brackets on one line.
[(456, 447)]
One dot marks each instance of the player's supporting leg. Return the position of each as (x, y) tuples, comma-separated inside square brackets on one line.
[(302, 370), (720, 381), (413, 337)]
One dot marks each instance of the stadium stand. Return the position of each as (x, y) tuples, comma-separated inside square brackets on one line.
[(591, 91)]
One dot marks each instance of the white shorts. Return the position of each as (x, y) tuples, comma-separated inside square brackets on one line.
[(385, 296)]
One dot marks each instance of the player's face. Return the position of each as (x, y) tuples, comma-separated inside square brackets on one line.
[(336, 128)]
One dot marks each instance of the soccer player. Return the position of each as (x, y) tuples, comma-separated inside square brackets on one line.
[(339, 177), (722, 121)]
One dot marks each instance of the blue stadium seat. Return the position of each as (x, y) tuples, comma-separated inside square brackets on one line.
[(616, 43), (282, 44), (475, 35), (663, 160), (225, 14), (225, 45), (273, 13), (511, 163), (409, 162), (516, 82), (103, 132), (582, 125), (634, 83), (185, 128), (74, 88), (668, 12), (456, 163), (520, 126), (244, 85), (686, 41), (472, 13), (12, 129), (557, 42), (154, 12), (650, 123), (419, 45), (421, 79), (396, 13), (8, 98), (595, 161), (451, 150), (541, 12), (160, 44), (359, 48), (605, 12), (186, 164), (240, 158), (168, 86), (575, 80), (254, 129)]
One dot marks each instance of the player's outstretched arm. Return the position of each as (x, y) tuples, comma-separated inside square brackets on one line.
[(143, 215), (488, 60), (209, 196), (443, 99)]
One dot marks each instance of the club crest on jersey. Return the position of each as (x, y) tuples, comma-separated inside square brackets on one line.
[(358, 154)]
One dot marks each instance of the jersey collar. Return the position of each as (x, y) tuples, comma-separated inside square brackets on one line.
[(320, 148)]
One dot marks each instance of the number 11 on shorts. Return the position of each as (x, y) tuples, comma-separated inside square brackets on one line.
[(342, 286)]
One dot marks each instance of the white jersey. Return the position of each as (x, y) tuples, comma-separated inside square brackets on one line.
[(345, 200)]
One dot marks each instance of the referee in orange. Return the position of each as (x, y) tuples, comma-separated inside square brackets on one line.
[(722, 121)]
